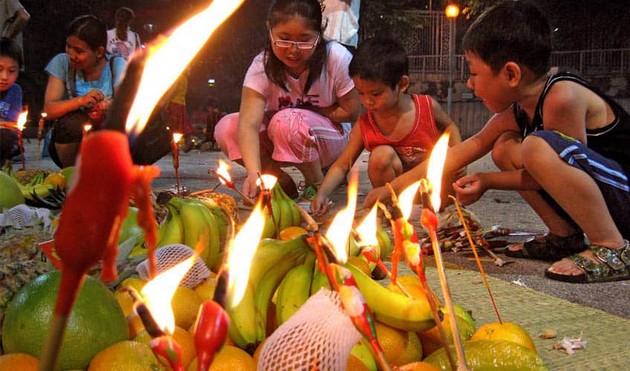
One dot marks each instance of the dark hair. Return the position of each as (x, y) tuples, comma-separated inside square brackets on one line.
[(281, 11), (380, 59), (10, 49), (125, 13), (514, 30), (90, 29)]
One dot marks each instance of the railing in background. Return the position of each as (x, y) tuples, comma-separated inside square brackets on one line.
[(586, 63)]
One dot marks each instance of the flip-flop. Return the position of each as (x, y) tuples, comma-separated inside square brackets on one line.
[(549, 247), (608, 265)]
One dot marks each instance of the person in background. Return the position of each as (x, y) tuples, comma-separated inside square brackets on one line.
[(121, 41), (296, 97), (213, 115), (342, 17), (83, 78), (10, 98), (399, 129), (177, 117), (13, 19), (558, 141)]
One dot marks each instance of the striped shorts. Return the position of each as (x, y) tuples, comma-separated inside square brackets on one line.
[(607, 174)]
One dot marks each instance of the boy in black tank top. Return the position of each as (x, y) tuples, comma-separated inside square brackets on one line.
[(558, 141)]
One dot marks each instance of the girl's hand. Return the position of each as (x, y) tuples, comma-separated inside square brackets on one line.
[(470, 188), (320, 204), (249, 186), (92, 97)]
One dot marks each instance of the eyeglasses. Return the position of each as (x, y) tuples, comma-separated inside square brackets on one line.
[(302, 45)]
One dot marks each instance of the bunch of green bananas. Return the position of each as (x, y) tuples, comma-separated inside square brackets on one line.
[(41, 188), (191, 222), (284, 213), (288, 271), (272, 261)]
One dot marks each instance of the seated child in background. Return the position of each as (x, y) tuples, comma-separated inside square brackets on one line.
[(10, 99), (399, 129), (556, 139)]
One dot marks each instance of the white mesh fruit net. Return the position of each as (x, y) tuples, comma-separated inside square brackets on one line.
[(168, 256), (25, 216), (320, 336)]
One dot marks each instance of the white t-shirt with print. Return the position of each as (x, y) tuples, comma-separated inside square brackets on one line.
[(121, 48), (333, 82)]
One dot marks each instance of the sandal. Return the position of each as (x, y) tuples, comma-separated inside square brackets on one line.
[(609, 265), (549, 247)]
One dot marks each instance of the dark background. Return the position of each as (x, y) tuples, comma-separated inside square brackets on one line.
[(580, 24)]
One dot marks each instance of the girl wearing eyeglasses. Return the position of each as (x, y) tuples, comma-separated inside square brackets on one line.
[(296, 104)]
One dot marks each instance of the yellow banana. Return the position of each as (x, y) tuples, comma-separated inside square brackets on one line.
[(242, 328), (171, 230), (212, 256), (264, 290), (393, 309), (196, 232), (294, 290), (270, 252)]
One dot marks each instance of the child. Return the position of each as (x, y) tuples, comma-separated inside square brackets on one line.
[(10, 98), (296, 97), (399, 129), (557, 141)]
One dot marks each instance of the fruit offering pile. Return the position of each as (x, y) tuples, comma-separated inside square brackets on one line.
[(105, 333)]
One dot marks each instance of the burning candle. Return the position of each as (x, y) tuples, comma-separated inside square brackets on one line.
[(40, 133), (86, 130), (223, 173), (431, 186), (20, 126), (340, 278), (175, 151)]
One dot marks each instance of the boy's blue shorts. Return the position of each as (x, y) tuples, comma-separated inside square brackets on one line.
[(608, 174)]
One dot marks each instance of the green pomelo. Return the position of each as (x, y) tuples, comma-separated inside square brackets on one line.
[(96, 321), (10, 193)]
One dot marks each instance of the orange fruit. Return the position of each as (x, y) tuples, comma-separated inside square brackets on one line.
[(411, 283), (56, 179), (205, 290), (229, 358), (96, 321), (135, 325), (418, 366), (185, 305), (183, 338), (400, 347), (19, 362), (125, 356), (431, 339), (506, 331), (259, 350), (355, 364), (290, 233), (361, 358)]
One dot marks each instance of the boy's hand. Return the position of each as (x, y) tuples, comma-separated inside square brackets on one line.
[(377, 194), (470, 188), (249, 186)]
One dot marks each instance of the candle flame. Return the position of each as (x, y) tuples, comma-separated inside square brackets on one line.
[(21, 122), (159, 292), (224, 172), (44, 114), (168, 59), (177, 137), (340, 228), (405, 199), (87, 127), (367, 228), (243, 248), (268, 180), (434, 172)]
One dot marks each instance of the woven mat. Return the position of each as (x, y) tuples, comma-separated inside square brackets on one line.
[(607, 336)]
